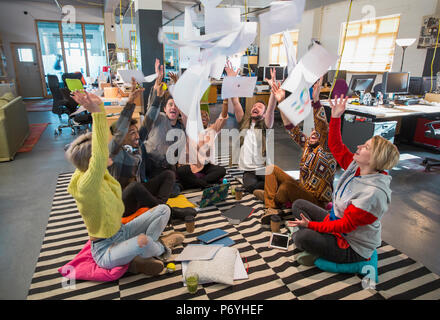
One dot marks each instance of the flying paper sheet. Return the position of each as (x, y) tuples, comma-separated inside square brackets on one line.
[(297, 106), (126, 75), (221, 19), (187, 93), (188, 31), (290, 52), (283, 15), (217, 67), (150, 78), (310, 68), (238, 87)]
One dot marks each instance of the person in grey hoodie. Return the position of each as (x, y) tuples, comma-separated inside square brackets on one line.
[(155, 128), (352, 230)]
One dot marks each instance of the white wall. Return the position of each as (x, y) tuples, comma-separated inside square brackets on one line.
[(15, 26), (411, 14)]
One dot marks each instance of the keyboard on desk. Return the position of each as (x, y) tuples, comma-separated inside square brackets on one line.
[(407, 102)]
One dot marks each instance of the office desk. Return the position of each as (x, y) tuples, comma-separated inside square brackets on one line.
[(385, 114), (406, 116)]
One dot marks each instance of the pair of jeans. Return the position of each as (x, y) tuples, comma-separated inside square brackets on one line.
[(323, 245), (149, 194), (123, 247)]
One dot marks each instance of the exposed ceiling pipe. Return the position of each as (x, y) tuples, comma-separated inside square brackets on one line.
[(56, 2)]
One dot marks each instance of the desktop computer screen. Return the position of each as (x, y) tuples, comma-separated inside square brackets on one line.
[(330, 76), (279, 73), (426, 84), (361, 82), (260, 74), (415, 85), (396, 82)]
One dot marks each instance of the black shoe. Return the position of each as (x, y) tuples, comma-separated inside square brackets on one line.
[(181, 213)]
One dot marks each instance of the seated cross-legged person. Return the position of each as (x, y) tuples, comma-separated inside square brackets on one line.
[(352, 231), (126, 166), (317, 164), (203, 172), (155, 128), (98, 197), (253, 145)]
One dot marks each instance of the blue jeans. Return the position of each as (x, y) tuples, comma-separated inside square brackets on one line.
[(123, 247)]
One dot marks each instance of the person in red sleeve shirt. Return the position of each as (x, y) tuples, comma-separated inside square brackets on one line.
[(352, 230)]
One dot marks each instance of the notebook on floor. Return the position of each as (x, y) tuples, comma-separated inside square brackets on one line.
[(212, 235)]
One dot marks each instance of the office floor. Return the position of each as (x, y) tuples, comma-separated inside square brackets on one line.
[(28, 183)]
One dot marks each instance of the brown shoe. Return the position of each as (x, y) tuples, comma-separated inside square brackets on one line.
[(259, 194), (147, 266), (173, 239), (269, 212)]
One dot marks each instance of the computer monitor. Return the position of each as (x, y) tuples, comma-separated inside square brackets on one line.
[(395, 82), (330, 76), (279, 73), (426, 84), (361, 82), (415, 85), (260, 74)]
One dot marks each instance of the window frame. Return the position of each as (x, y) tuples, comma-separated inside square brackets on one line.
[(280, 44), (378, 36), (60, 22)]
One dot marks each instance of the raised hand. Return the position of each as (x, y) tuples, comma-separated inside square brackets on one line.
[(272, 77), (173, 77), (338, 106), (135, 92), (88, 100), (230, 70), (317, 89), (278, 93), (158, 68)]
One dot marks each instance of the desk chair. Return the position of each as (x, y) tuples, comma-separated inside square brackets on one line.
[(76, 75), (64, 104), (433, 134)]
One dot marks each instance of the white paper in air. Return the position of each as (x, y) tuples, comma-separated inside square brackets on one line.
[(283, 15)]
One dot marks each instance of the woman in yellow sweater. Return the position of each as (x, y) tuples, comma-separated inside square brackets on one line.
[(99, 199)]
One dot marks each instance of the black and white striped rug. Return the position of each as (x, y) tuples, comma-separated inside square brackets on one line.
[(273, 274)]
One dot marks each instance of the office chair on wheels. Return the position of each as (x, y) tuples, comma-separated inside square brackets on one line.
[(64, 104), (433, 134)]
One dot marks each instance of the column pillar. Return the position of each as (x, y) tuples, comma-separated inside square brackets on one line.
[(148, 21)]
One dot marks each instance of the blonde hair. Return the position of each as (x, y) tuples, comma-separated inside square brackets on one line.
[(80, 151), (384, 154)]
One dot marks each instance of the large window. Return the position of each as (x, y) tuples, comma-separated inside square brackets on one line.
[(51, 51), (95, 44), (370, 44), (72, 48), (171, 55), (277, 51)]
